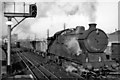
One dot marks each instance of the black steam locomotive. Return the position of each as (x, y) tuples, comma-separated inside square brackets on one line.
[(85, 47)]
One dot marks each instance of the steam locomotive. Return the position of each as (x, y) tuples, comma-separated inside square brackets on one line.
[(85, 47)]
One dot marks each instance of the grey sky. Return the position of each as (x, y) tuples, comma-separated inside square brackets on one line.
[(53, 17)]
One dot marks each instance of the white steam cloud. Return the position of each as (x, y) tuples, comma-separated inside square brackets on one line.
[(56, 8)]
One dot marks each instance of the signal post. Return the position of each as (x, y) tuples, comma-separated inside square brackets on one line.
[(32, 13)]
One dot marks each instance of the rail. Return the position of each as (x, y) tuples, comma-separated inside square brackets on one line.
[(35, 65)]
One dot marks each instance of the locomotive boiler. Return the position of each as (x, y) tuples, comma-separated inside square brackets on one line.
[(83, 46)]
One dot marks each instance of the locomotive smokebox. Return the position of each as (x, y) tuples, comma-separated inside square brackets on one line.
[(92, 25)]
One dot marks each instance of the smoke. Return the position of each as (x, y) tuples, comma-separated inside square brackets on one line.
[(69, 8), (56, 8), (80, 8), (49, 10), (89, 9), (24, 27), (43, 8)]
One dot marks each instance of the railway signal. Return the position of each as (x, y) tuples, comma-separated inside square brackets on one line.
[(33, 10), (13, 14)]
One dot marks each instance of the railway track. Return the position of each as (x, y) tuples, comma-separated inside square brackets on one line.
[(38, 71), (59, 71), (52, 67)]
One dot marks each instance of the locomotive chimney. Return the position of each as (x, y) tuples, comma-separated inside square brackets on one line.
[(92, 25)]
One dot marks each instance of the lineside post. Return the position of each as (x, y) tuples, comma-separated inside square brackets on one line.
[(9, 47)]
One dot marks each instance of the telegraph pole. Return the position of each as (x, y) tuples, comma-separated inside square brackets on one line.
[(64, 26), (47, 38), (47, 33)]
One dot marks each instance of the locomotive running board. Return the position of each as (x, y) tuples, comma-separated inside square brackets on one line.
[(68, 59)]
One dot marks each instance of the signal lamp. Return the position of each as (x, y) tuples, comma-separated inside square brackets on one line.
[(9, 23), (33, 10)]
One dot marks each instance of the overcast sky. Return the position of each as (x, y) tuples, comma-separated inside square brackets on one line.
[(53, 15)]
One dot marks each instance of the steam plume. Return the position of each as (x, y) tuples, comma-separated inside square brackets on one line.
[(90, 10), (49, 9), (85, 8)]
